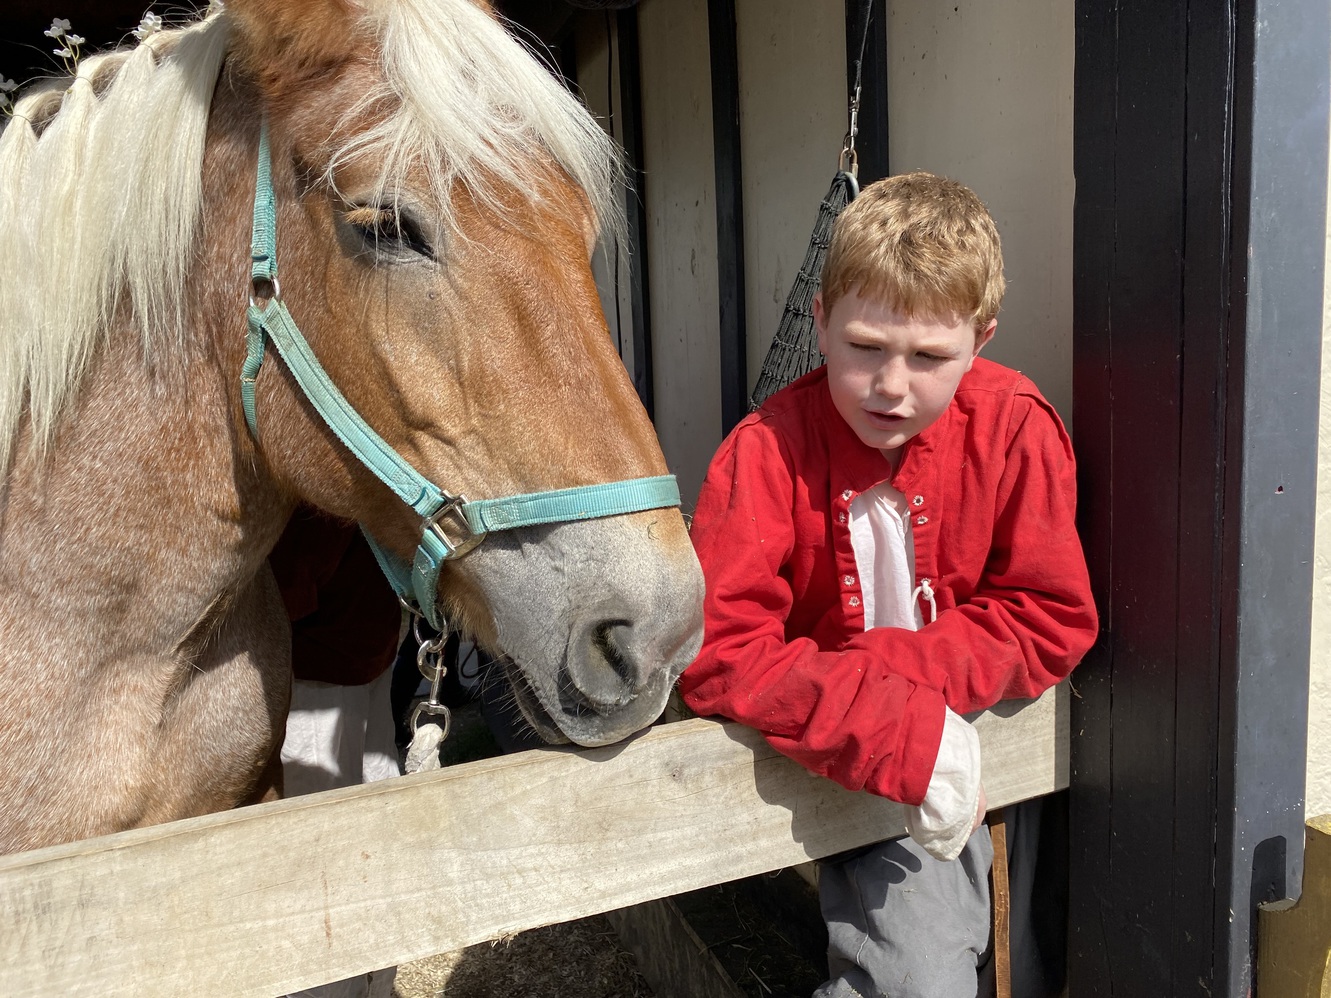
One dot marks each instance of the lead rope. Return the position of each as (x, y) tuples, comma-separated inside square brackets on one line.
[(423, 752)]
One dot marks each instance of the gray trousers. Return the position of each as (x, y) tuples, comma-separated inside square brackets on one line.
[(902, 924)]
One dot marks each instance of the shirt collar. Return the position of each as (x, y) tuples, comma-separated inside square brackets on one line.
[(859, 468)]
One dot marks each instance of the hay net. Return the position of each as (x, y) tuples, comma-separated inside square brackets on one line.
[(794, 350)]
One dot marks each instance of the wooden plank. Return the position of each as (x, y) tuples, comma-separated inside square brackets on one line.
[(287, 895), (670, 956)]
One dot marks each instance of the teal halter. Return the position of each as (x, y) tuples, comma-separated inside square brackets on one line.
[(452, 525)]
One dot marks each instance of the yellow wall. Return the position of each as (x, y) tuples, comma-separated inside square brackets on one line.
[(1319, 707), (792, 59)]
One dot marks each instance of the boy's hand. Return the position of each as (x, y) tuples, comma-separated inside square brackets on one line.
[(956, 793)]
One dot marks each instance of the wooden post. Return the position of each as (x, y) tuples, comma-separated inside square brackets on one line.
[(1294, 944)]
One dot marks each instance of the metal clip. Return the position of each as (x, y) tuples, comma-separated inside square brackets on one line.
[(428, 650), (850, 161)]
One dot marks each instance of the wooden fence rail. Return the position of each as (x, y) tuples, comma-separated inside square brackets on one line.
[(283, 896)]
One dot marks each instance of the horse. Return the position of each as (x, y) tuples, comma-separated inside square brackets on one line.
[(436, 198)]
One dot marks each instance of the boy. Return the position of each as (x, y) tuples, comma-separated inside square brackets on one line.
[(888, 544)]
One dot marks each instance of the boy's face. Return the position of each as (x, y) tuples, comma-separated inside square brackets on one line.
[(892, 375)]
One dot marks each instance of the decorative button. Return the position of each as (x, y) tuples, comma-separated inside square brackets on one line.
[(841, 518), (854, 601), (921, 520), (849, 580), (847, 494), (918, 501)]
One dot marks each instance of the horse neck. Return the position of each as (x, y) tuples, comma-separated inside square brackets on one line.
[(147, 511)]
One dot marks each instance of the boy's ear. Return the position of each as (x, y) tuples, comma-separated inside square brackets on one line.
[(820, 322), (982, 337)]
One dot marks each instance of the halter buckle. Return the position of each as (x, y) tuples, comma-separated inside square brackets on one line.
[(450, 525)]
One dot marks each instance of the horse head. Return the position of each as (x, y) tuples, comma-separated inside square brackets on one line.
[(438, 199)]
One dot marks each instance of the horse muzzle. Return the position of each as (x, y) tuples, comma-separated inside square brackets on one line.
[(596, 620)]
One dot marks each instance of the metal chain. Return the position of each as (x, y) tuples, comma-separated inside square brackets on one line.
[(430, 663)]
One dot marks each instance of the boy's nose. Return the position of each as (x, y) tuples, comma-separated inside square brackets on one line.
[(892, 381)]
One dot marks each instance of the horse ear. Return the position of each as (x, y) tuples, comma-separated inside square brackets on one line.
[(289, 42)]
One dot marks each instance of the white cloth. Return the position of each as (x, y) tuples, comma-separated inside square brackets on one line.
[(885, 555), (339, 736)]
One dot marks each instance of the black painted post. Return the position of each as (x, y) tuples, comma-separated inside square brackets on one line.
[(729, 211), (872, 140), (1201, 165), (630, 120)]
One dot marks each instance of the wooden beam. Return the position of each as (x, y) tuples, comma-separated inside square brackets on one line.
[(1200, 154), (283, 896), (671, 957), (1294, 941), (631, 122)]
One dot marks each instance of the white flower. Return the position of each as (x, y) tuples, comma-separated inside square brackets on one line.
[(65, 53), (57, 29), (75, 40), (149, 26), (7, 86)]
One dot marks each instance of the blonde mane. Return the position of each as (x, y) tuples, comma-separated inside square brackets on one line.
[(100, 176)]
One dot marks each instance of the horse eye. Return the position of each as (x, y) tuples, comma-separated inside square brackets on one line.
[(384, 228)]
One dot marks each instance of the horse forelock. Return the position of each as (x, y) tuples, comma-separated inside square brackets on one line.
[(470, 104), (100, 176)]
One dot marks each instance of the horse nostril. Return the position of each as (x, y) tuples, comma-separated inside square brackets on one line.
[(605, 638), (603, 674)]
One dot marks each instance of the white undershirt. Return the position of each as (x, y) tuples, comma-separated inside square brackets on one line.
[(885, 555)]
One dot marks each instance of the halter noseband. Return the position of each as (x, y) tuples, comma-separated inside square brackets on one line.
[(452, 525)]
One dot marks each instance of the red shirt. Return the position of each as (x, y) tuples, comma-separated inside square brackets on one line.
[(990, 489), (344, 615)]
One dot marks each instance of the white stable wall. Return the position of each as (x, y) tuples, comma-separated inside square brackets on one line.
[(680, 197), (979, 92), (982, 92), (792, 97), (597, 49)]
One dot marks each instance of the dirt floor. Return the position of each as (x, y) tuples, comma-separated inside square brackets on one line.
[(581, 959)]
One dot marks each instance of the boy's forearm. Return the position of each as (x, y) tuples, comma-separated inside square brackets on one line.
[(843, 716), (997, 647)]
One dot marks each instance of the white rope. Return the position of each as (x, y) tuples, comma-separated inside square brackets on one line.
[(926, 590), (423, 752)]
